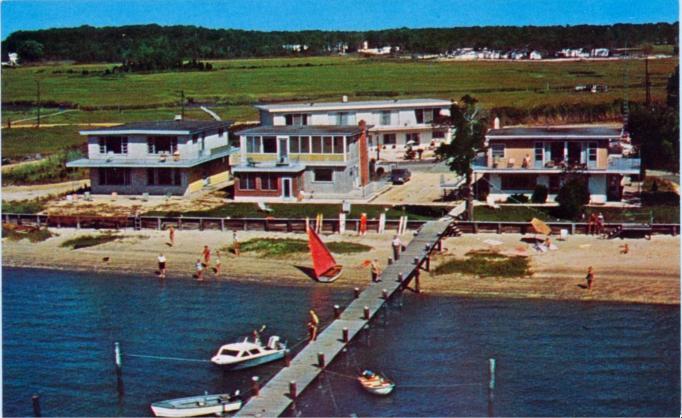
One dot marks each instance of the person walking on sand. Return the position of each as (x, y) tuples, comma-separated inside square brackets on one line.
[(592, 224), (207, 255), (362, 230), (162, 266), (200, 270), (589, 277), (397, 247), (375, 270), (218, 265), (235, 243), (171, 235), (313, 325), (600, 223)]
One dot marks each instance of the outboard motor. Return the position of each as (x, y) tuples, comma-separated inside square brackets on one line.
[(272, 342)]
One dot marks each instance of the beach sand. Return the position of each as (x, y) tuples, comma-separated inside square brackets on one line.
[(649, 273)]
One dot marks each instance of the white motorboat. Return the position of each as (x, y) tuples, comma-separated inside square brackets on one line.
[(249, 353), (375, 384), (200, 405)]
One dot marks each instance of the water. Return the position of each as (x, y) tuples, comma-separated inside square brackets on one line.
[(553, 358)]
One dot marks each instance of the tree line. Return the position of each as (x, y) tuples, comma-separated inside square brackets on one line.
[(169, 44)]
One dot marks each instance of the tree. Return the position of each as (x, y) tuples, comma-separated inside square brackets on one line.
[(30, 51), (673, 96), (572, 196), (656, 134), (469, 127)]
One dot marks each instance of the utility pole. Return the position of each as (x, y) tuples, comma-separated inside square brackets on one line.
[(647, 82), (38, 100)]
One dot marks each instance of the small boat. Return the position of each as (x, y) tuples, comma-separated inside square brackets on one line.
[(324, 265), (375, 384), (245, 354), (195, 406)]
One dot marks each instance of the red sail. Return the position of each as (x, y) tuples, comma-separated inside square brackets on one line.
[(323, 261)]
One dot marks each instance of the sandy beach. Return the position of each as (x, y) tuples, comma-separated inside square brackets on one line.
[(649, 273)]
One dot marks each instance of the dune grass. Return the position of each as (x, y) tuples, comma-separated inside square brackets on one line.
[(33, 234), (282, 247), (484, 263), (85, 241)]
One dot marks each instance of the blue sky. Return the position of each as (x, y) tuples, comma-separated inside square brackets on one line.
[(329, 14)]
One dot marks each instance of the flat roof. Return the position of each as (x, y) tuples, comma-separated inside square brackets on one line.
[(359, 105), (288, 130), (555, 132), (167, 127)]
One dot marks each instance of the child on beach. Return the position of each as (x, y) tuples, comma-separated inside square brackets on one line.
[(162, 266), (200, 270), (171, 235), (235, 243), (207, 255), (218, 265), (589, 277)]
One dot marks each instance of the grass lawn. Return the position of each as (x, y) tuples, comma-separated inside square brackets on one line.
[(34, 235), (18, 143), (661, 212), (85, 241), (276, 247), (484, 263), (23, 206), (302, 210)]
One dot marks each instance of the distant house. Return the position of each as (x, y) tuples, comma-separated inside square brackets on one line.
[(535, 55), (295, 47), (599, 52), (175, 157), (384, 50), (519, 159), (13, 60)]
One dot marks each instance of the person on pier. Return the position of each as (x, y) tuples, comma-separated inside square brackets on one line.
[(313, 325)]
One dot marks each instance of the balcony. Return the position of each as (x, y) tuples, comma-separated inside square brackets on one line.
[(624, 164)]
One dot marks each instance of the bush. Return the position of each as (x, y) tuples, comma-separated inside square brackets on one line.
[(539, 194), (517, 198), (572, 196)]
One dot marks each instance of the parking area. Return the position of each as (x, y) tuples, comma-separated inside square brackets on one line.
[(424, 187)]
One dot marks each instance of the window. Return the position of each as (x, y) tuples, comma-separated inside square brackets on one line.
[(254, 351), (296, 119), (438, 134), (554, 184), (162, 144), (323, 174), (389, 139), (327, 145), (592, 152), (164, 176), (385, 118), (150, 177), (305, 145), (497, 150), (252, 144), (114, 176), (269, 145), (518, 182), (294, 145), (345, 118), (113, 144), (338, 145), (268, 182), (317, 144), (425, 115), (247, 182), (228, 352), (412, 137), (539, 151)]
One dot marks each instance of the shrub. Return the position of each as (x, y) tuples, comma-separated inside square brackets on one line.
[(517, 198), (572, 196), (539, 194)]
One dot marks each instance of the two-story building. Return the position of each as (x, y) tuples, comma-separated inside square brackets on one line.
[(291, 162), (174, 157), (519, 159), (394, 123)]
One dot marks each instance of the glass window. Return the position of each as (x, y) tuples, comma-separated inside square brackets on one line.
[(269, 145), (268, 182), (592, 147), (419, 114), (228, 352), (247, 181), (296, 119), (385, 118), (253, 144), (164, 176), (497, 150), (327, 145), (113, 144), (539, 151), (150, 177), (345, 118), (389, 139), (305, 144), (254, 351), (294, 147), (518, 182), (323, 174), (317, 144), (114, 176), (425, 115), (438, 134), (162, 144), (412, 137), (338, 145)]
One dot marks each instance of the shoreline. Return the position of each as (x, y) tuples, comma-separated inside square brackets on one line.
[(648, 275)]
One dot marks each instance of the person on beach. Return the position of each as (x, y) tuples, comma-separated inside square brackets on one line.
[(207, 255), (592, 224), (600, 223), (363, 224), (589, 277), (397, 247), (218, 265), (235, 243), (313, 325), (624, 249), (200, 270), (162, 266), (171, 235), (375, 270)]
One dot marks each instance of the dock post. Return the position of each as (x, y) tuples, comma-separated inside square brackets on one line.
[(400, 277), (366, 313), (36, 405), (287, 357), (389, 261), (356, 292), (416, 261), (119, 368), (491, 387), (320, 360), (428, 262), (292, 389), (384, 294), (255, 386), (337, 311), (416, 281), (344, 335)]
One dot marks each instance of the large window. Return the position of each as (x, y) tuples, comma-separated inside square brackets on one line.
[(164, 177), (385, 118), (268, 182), (294, 145), (162, 144), (345, 118), (114, 176), (539, 152), (338, 145), (438, 134), (425, 115), (253, 144), (113, 144), (389, 139), (327, 145), (323, 174), (412, 138), (592, 152), (518, 182), (317, 145), (269, 145), (247, 181), (296, 119), (305, 144), (497, 150)]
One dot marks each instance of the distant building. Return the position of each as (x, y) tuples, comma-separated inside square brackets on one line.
[(13, 60), (295, 47), (599, 52), (175, 157), (535, 55), (384, 50)]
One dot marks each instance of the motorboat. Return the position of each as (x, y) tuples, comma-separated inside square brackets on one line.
[(249, 353), (375, 384), (200, 405)]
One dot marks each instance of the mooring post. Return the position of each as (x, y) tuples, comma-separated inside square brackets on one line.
[(255, 386), (344, 335), (117, 358), (384, 294), (337, 311), (320, 360), (415, 261), (428, 263), (292, 390), (491, 387), (287, 357), (356, 292), (400, 277), (36, 405), (366, 313)]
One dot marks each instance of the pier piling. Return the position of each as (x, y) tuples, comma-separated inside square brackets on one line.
[(292, 389), (491, 387), (36, 405), (337, 311), (287, 357), (255, 386), (356, 292), (344, 335), (365, 311), (400, 277), (320, 360)]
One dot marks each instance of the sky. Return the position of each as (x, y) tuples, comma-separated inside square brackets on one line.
[(360, 15)]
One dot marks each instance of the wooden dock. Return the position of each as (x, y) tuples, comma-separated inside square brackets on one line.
[(275, 397)]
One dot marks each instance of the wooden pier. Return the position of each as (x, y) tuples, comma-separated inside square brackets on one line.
[(275, 397)]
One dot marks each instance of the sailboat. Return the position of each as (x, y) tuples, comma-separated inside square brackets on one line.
[(326, 269)]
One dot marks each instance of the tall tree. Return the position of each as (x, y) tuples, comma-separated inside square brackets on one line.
[(469, 124)]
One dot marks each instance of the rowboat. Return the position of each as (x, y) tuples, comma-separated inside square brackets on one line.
[(200, 405), (325, 267), (375, 384), (245, 354)]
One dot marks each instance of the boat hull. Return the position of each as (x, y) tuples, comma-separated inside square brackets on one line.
[(252, 362), (194, 407), (382, 388)]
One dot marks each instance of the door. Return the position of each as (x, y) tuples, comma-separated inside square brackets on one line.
[(592, 155), (283, 150), (286, 187)]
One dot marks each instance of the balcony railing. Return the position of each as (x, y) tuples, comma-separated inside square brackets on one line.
[(619, 163)]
